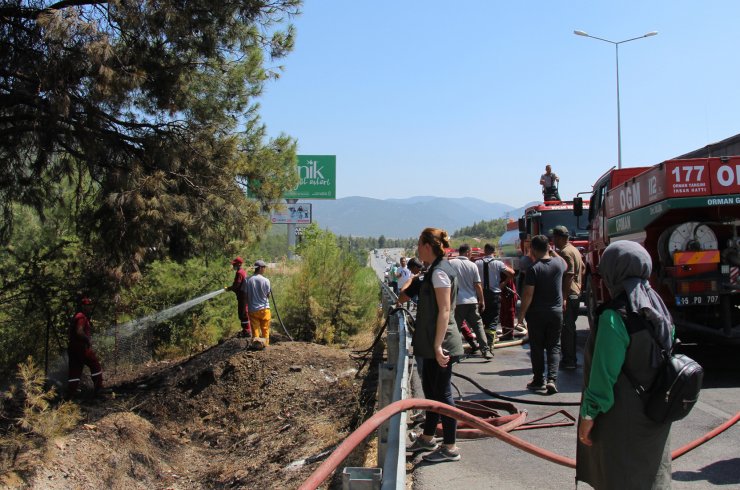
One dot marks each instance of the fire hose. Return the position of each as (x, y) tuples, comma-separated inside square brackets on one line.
[(371, 425), (278, 315)]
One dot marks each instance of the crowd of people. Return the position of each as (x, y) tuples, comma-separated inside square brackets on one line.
[(451, 295)]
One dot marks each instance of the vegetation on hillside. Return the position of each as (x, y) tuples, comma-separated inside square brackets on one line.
[(331, 296), (490, 229)]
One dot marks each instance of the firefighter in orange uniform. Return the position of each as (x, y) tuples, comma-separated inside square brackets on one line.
[(80, 351)]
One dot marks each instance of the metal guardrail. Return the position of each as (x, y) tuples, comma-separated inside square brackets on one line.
[(394, 385)]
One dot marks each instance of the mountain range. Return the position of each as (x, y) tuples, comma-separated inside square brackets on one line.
[(405, 218)]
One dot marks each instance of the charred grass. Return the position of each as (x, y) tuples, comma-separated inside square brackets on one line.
[(229, 417)]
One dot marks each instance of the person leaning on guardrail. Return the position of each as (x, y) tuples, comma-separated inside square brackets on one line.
[(437, 340), (412, 296)]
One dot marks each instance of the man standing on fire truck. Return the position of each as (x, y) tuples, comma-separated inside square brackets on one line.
[(80, 351), (549, 182)]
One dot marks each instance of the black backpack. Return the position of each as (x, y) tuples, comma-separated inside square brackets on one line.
[(675, 390), (676, 387)]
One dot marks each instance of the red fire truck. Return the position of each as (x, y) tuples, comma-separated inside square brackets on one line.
[(539, 220), (686, 214)]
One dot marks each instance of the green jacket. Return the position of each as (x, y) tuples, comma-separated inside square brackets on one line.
[(426, 316)]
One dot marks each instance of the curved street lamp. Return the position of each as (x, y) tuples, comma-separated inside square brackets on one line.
[(616, 46)]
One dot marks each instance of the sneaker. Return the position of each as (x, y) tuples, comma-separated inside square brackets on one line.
[(417, 417), (551, 388), (442, 454), (487, 355), (535, 385), (420, 445)]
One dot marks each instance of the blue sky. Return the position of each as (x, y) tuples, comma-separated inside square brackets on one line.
[(474, 98)]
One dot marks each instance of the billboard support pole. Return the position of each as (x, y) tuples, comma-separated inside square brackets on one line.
[(291, 234)]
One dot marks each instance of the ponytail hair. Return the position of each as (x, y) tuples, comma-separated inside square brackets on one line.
[(437, 238)]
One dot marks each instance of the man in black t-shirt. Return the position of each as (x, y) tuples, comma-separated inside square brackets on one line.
[(542, 306)]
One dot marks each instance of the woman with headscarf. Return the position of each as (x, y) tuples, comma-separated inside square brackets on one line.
[(437, 340), (619, 447)]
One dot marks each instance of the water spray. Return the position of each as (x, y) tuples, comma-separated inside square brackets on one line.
[(129, 328)]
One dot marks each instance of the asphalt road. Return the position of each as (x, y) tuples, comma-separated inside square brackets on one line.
[(489, 463), (383, 258)]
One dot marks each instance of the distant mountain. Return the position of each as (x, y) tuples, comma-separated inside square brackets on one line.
[(405, 218)]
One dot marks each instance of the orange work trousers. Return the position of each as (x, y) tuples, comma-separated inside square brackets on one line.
[(260, 321)]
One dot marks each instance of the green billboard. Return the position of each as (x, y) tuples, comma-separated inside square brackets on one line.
[(318, 178)]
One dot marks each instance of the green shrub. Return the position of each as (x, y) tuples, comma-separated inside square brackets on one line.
[(330, 296)]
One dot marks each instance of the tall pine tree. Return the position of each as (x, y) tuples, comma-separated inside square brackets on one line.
[(148, 110)]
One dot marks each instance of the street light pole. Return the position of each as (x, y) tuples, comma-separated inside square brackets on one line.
[(616, 50)]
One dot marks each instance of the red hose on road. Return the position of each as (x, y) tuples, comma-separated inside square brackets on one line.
[(709, 435), (371, 424), (353, 440)]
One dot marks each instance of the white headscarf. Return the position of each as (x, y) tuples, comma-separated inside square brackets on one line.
[(625, 267)]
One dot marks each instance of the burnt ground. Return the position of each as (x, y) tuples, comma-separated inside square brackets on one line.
[(226, 418)]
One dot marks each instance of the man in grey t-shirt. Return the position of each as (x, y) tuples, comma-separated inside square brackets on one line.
[(258, 297), (469, 298), (542, 305)]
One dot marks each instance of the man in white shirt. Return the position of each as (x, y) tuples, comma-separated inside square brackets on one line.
[(470, 297), (549, 182), (403, 274)]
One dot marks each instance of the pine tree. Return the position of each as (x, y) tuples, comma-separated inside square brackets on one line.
[(148, 110)]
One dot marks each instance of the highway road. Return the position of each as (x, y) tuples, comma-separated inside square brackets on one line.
[(383, 258)]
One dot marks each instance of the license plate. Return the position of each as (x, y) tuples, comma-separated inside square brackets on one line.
[(699, 299)]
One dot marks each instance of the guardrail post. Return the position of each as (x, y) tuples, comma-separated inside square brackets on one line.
[(361, 478), (391, 345), (386, 379)]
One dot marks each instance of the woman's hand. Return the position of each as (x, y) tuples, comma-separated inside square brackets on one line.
[(442, 358), (584, 432)]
